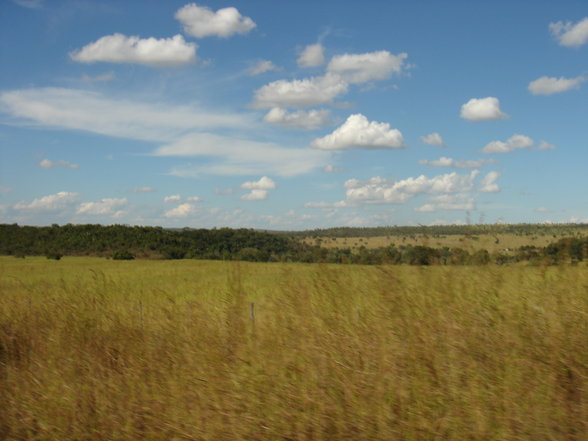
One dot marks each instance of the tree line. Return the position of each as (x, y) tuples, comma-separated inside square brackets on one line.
[(128, 242)]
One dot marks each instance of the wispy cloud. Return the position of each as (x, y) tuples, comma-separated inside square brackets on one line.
[(551, 85), (97, 113), (234, 156)]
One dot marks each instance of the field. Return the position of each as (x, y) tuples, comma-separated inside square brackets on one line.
[(95, 349), (500, 242)]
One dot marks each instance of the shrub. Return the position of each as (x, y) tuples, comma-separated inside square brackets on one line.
[(122, 255)]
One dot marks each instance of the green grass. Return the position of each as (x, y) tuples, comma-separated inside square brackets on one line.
[(92, 349)]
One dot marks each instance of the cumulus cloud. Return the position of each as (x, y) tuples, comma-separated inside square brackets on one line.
[(313, 119), (182, 210), (463, 202), (52, 202), (312, 56), (193, 199), (433, 139), (255, 195), (236, 156), (200, 21), (515, 142), (102, 207), (570, 34), (358, 132), (118, 48), (262, 67), (46, 163), (450, 162), (264, 183), (551, 85), (258, 189), (96, 113), (172, 198), (482, 109), (379, 190), (488, 183), (300, 93), (361, 68)]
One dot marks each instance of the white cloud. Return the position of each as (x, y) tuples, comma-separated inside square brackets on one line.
[(255, 195), (46, 163), (172, 198), (313, 119), (551, 85), (193, 199), (30, 4), (513, 143), (258, 189), (379, 190), (449, 162), (546, 146), (339, 204), (224, 191), (143, 190), (460, 201), (264, 183), (118, 48), (262, 67), (361, 68), (98, 78), (102, 207), (433, 139), (330, 168), (570, 34), (542, 210), (236, 156), (300, 93), (312, 56), (482, 109), (182, 210), (358, 132), (200, 21), (52, 202), (488, 183), (96, 113)]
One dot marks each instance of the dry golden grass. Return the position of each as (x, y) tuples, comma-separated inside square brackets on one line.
[(93, 349), (490, 242)]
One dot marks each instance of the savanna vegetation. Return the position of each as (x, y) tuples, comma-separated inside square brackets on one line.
[(97, 349), (446, 245)]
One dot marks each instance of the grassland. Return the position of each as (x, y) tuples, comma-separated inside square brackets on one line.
[(493, 243), (95, 349)]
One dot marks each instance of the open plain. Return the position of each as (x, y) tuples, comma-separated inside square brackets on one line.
[(92, 348)]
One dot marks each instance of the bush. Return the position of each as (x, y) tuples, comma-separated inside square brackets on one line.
[(122, 255), (54, 255)]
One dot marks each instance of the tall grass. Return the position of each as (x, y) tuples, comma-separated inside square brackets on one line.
[(101, 350)]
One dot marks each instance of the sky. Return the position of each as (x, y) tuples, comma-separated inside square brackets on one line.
[(288, 115)]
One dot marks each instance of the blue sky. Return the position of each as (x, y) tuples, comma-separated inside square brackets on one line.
[(293, 115)]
